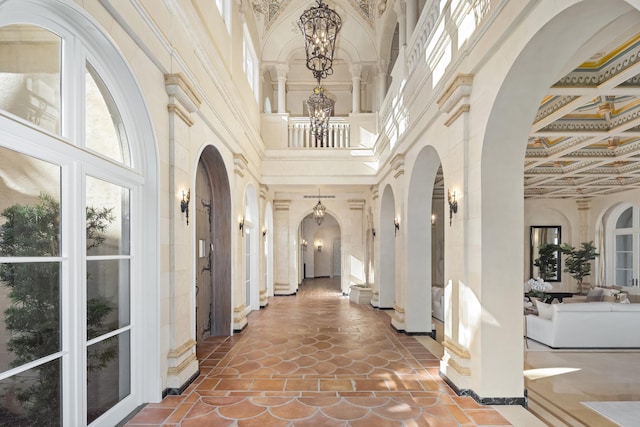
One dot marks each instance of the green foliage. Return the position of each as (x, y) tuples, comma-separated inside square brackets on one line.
[(547, 261), (578, 261), (33, 319)]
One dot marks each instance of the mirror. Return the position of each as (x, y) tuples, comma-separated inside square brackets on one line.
[(541, 234)]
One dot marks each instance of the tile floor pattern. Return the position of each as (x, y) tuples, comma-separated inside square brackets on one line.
[(315, 359)]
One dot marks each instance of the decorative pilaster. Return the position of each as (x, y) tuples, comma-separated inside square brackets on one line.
[(357, 241), (181, 359), (283, 245), (264, 298), (383, 67)]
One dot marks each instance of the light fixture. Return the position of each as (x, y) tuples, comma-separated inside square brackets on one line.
[(373, 232), (241, 224), (304, 245), (320, 26), (396, 225), (184, 203), (433, 219), (319, 210), (319, 245), (453, 205), (320, 108), (264, 231)]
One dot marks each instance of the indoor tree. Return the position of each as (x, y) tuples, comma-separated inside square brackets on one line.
[(547, 261), (32, 319), (578, 260)]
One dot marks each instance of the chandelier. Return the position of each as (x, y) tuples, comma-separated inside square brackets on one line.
[(319, 211), (320, 108), (320, 26)]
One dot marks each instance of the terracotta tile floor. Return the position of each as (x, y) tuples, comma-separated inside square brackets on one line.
[(315, 359)]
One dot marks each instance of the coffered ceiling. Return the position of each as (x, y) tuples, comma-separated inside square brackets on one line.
[(585, 139)]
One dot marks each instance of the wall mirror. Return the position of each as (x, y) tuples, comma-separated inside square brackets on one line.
[(541, 234)]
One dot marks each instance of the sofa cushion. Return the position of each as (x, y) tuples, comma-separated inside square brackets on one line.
[(584, 306), (626, 307), (595, 294), (545, 311)]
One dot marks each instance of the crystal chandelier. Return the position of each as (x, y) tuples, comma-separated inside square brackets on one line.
[(319, 211), (320, 26), (320, 108)]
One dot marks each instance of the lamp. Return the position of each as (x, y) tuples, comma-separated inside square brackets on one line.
[(304, 245), (433, 219), (184, 203), (320, 26), (396, 225), (319, 210), (319, 245), (453, 205), (241, 224), (264, 231), (320, 108)]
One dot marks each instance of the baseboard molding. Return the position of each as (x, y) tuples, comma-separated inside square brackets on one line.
[(178, 391), (520, 401)]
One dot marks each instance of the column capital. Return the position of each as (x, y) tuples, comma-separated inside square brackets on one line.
[(383, 66), (281, 70), (356, 70), (400, 7)]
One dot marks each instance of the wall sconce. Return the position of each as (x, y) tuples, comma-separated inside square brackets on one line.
[(373, 232), (184, 203), (241, 224), (319, 245), (396, 224), (433, 219), (453, 205), (304, 245), (264, 231)]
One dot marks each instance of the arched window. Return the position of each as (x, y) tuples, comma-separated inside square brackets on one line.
[(70, 196), (627, 247)]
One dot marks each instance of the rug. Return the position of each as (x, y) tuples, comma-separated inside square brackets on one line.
[(626, 414)]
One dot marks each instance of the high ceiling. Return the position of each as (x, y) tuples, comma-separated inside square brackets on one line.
[(585, 139)]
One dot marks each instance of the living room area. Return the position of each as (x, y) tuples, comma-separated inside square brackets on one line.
[(581, 311)]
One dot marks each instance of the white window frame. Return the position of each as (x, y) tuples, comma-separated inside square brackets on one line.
[(250, 62), (613, 232)]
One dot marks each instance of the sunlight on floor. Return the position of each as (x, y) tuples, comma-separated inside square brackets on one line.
[(534, 374)]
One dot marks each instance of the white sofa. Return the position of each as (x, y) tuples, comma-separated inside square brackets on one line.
[(587, 325)]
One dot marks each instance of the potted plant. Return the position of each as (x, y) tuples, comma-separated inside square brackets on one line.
[(578, 260), (547, 261)]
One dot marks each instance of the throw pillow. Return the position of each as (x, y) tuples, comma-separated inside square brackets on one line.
[(595, 294), (545, 311)]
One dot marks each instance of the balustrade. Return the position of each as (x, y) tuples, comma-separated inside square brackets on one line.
[(300, 135)]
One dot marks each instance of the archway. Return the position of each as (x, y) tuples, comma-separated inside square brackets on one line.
[(544, 59), (387, 282), (320, 247), (213, 240), (419, 241)]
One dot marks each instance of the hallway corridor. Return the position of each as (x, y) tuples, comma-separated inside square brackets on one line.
[(316, 360)]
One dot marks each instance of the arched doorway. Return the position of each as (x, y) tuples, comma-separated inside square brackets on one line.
[(213, 240), (320, 247), (387, 264), (420, 230)]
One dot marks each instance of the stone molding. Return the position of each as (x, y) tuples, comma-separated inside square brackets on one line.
[(458, 89)]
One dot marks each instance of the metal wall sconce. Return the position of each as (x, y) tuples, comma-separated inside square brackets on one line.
[(184, 203), (304, 245), (264, 231), (433, 219), (319, 245), (241, 224), (373, 232), (453, 205), (396, 224)]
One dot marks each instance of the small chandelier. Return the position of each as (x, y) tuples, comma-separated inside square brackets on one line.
[(319, 211), (320, 108), (320, 26)]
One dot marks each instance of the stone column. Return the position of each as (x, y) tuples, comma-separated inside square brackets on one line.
[(264, 300), (400, 9), (282, 70), (178, 302), (584, 206), (357, 242), (412, 16), (382, 81), (356, 69)]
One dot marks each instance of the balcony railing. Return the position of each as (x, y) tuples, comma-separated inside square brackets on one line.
[(300, 135)]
